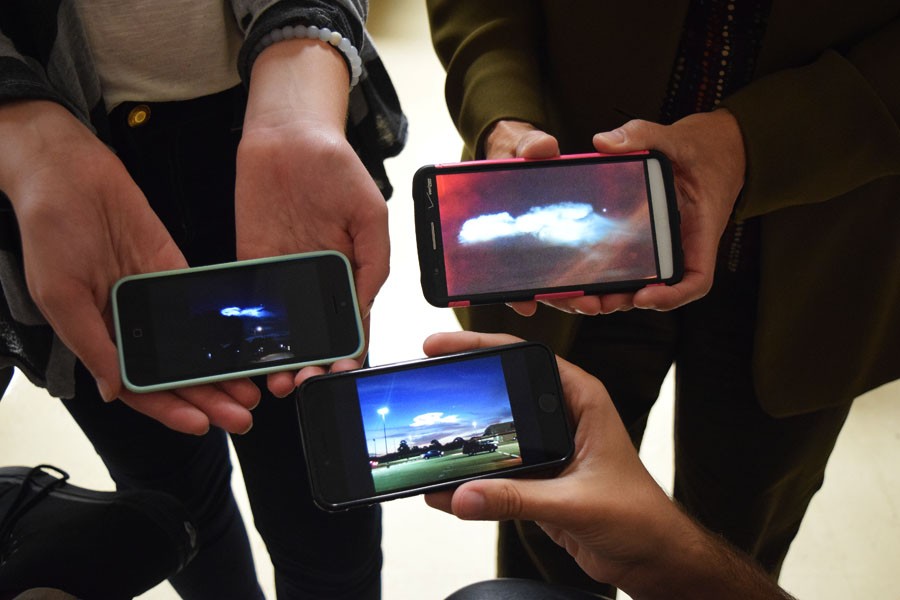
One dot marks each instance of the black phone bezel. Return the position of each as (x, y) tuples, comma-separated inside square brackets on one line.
[(334, 441), (142, 364), (429, 244)]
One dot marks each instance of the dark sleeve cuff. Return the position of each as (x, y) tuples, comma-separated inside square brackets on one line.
[(18, 82)]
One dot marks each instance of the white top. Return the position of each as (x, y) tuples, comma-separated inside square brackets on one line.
[(162, 50)]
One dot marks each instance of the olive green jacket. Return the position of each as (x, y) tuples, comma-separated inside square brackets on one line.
[(820, 125)]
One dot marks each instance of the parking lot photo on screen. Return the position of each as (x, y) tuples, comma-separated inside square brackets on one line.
[(445, 422)]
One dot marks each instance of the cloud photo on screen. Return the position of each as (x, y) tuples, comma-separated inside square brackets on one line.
[(545, 228), (566, 223)]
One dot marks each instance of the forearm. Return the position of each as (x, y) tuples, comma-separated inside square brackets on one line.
[(693, 563)]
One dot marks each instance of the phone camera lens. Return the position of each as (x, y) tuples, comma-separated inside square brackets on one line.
[(548, 403)]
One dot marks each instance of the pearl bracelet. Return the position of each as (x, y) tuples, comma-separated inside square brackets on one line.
[(323, 34)]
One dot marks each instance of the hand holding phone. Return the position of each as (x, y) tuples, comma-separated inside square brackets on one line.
[(382, 433), (707, 150), (208, 324), (604, 507), (512, 230)]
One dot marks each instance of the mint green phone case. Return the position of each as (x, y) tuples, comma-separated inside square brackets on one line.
[(190, 381)]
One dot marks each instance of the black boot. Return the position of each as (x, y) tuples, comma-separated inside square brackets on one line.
[(94, 545)]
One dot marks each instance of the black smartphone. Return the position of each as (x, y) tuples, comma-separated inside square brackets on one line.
[(500, 231), (205, 324), (388, 432)]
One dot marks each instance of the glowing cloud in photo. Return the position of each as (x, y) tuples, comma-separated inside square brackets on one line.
[(432, 418), (566, 223), (256, 312)]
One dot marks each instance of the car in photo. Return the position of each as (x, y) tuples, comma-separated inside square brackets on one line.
[(478, 446), (433, 453)]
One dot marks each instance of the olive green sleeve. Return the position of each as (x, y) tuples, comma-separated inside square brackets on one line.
[(816, 132), (489, 50)]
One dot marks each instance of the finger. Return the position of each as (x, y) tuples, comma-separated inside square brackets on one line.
[(526, 308), (244, 391), (281, 384), (460, 341), (584, 305), (633, 136), (366, 328), (345, 364), (616, 302), (503, 140), (371, 254), (308, 372), (222, 410), (537, 144), (170, 410), (694, 285), (440, 500)]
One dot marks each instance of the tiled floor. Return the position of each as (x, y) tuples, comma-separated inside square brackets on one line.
[(848, 545)]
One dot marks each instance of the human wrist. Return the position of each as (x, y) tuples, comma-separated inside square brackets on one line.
[(34, 130), (282, 88), (258, 19), (322, 34)]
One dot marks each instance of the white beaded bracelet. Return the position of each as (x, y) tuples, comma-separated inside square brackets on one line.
[(323, 34)]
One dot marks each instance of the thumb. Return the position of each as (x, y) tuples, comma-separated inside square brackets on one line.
[(630, 137), (537, 144), (498, 500), (84, 332)]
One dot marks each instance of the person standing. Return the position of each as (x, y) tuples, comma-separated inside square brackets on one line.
[(781, 120), (149, 136)]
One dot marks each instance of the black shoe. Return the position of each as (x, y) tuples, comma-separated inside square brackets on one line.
[(95, 545)]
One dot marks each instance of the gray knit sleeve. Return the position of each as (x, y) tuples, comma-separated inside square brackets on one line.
[(34, 65)]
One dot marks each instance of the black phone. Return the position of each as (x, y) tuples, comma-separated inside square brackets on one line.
[(394, 431), (505, 230), (206, 324)]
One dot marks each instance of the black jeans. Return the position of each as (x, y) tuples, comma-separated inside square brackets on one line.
[(183, 159)]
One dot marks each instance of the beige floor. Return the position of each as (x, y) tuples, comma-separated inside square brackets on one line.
[(848, 546)]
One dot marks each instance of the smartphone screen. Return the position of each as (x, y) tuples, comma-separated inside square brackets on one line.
[(495, 231), (388, 432), (234, 320)]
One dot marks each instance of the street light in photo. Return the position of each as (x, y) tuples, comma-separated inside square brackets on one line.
[(384, 411)]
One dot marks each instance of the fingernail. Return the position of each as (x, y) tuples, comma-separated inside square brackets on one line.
[(105, 391), (367, 310), (475, 504), (616, 136)]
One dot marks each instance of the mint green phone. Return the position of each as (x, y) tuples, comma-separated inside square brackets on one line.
[(207, 324)]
